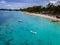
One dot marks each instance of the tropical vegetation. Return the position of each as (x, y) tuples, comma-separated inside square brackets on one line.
[(49, 9)]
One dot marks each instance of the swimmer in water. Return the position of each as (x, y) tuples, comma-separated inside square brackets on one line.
[(33, 32), (20, 21)]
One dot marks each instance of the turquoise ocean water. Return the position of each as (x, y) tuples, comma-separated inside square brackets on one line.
[(15, 29)]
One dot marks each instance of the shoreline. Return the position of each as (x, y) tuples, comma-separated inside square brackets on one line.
[(43, 16)]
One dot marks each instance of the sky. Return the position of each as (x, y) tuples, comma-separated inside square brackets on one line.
[(16, 4)]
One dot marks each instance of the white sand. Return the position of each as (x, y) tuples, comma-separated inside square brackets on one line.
[(43, 16)]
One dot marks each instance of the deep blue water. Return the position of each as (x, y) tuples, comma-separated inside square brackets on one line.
[(15, 29)]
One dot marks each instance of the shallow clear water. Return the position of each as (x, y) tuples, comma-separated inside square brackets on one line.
[(15, 29)]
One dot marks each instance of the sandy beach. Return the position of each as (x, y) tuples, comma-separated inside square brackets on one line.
[(43, 16)]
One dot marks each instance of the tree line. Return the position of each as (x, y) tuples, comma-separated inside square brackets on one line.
[(49, 9)]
